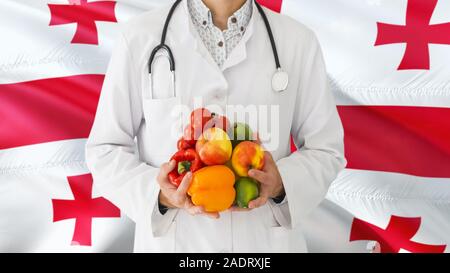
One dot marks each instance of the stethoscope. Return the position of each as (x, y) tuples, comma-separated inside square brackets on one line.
[(280, 78)]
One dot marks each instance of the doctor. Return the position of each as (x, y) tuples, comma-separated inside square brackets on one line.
[(222, 52)]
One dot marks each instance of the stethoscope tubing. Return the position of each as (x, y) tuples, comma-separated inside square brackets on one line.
[(164, 46), (269, 32)]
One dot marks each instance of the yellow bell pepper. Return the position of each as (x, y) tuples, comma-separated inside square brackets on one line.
[(213, 188)]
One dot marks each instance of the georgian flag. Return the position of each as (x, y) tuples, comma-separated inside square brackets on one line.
[(388, 64)]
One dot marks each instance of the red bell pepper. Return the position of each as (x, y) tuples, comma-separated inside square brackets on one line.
[(186, 160)]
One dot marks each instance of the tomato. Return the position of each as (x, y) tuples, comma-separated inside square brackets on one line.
[(199, 118)]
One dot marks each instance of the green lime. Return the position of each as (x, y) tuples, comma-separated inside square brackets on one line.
[(246, 191)]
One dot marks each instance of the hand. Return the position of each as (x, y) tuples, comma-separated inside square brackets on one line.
[(173, 197), (271, 183)]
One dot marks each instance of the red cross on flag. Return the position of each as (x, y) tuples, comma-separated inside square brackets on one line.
[(85, 15), (417, 33), (83, 208), (388, 64), (395, 237)]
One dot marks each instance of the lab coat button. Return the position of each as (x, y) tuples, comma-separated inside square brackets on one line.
[(220, 44)]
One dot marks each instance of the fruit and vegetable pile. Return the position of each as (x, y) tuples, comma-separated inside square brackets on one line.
[(219, 155)]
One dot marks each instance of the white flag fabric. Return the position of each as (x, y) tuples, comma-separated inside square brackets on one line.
[(388, 64)]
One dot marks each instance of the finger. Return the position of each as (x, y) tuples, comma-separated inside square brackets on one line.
[(268, 157), (264, 191), (185, 183), (191, 208), (256, 139), (199, 210), (166, 168), (261, 201), (269, 163), (195, 210), (258, 175), (165, 184), (238, 209), (213, 215)]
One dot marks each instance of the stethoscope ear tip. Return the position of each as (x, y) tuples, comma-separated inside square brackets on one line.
[(280, 80)]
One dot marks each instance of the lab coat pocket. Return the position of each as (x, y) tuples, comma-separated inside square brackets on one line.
[(163, 128), (279, 239), (160, 83)]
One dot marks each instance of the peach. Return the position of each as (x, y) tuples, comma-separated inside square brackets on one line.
[(214, 147), (247, 155)]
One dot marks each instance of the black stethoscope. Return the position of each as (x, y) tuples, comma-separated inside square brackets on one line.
[(280, 78)]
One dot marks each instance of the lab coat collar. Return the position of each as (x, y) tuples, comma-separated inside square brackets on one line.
[(194, 39), (186, 33), (239, 53)]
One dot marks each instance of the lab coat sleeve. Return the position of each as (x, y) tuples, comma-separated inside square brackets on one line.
[(317, 131), (111, 152)]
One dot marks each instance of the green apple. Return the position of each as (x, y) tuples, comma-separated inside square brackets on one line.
[(246, 191), (241, 132)]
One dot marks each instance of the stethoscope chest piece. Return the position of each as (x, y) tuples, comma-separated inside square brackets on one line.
[(280, 81)]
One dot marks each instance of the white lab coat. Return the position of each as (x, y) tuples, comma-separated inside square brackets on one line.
[(125, 171)]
